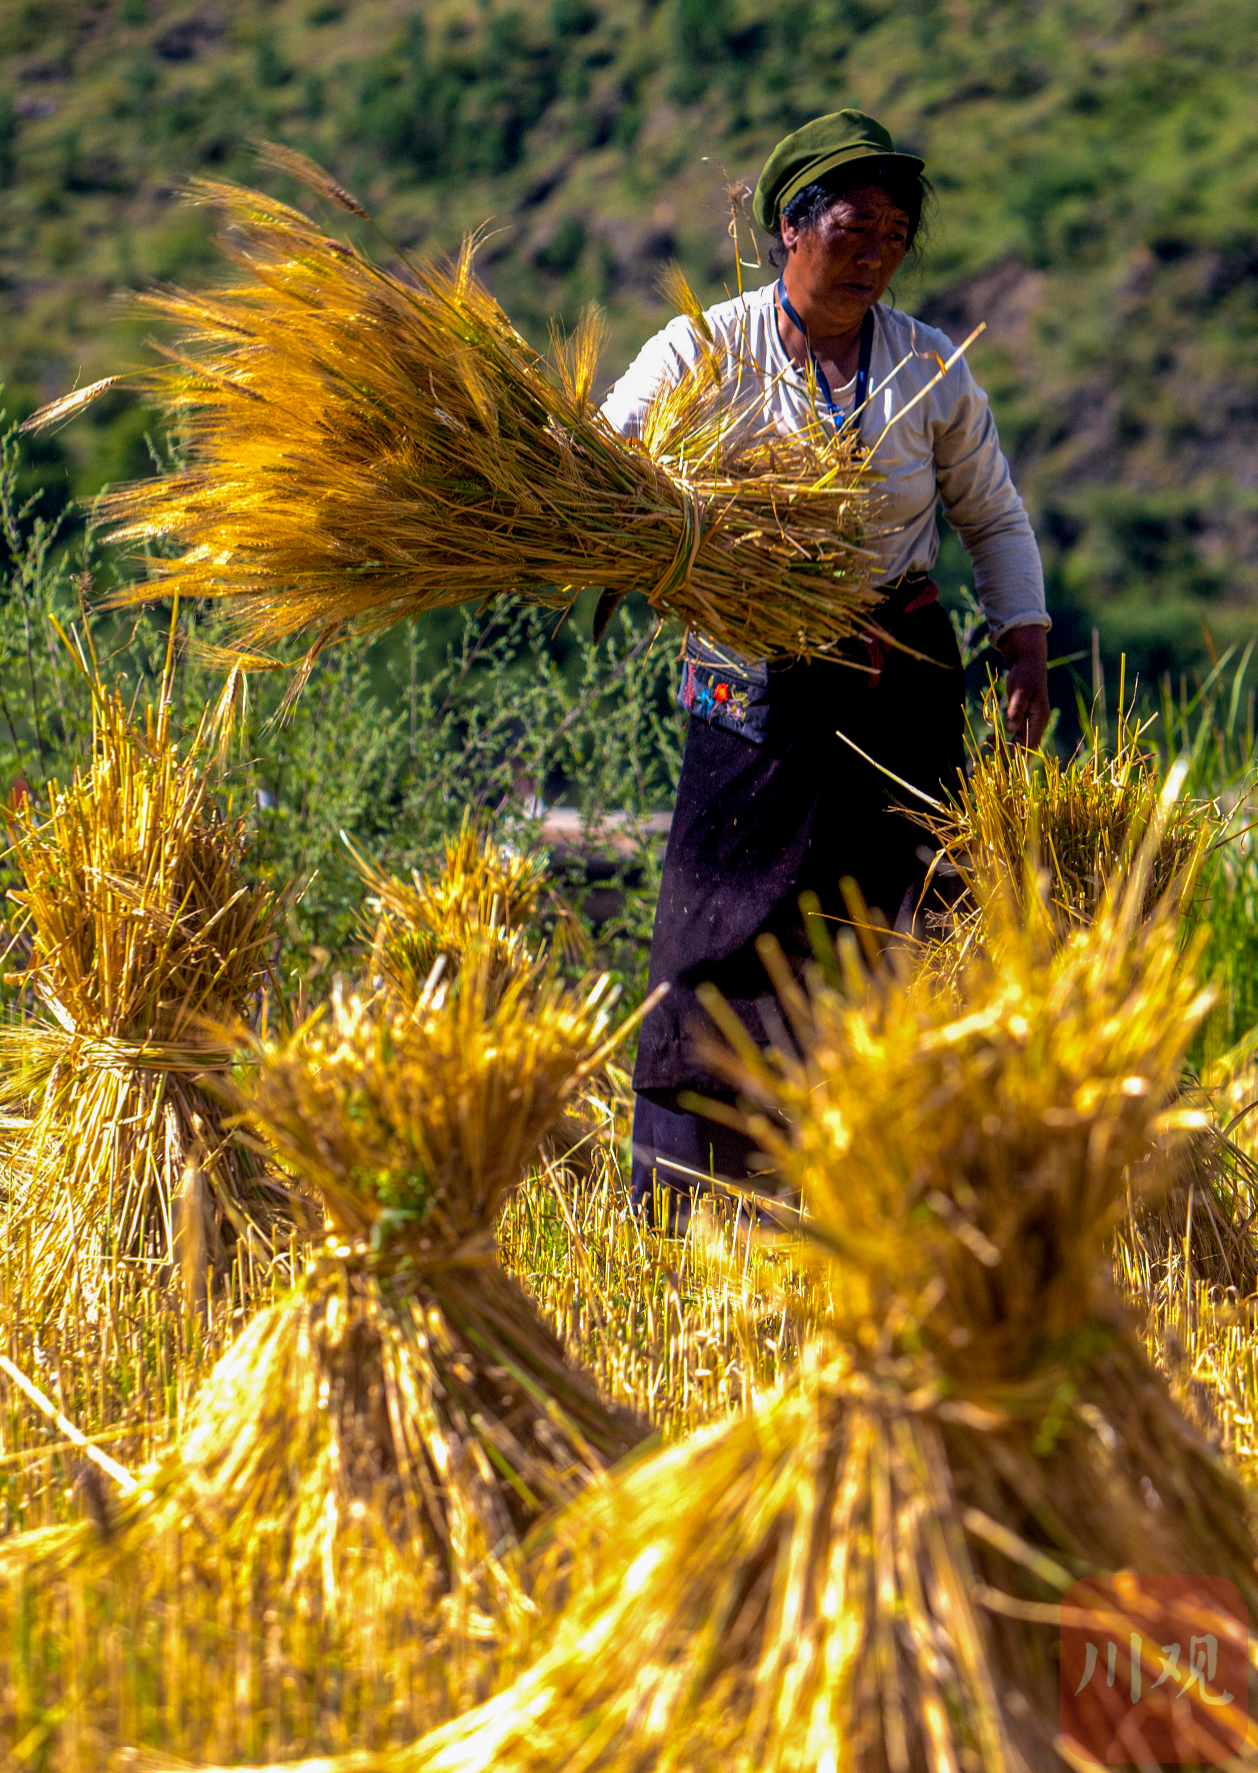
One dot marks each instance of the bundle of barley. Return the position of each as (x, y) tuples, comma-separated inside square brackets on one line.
[(1073, 828), (145, 939), (871, 1570), (484, 899), (485, 903), (364, 446), (367, 1457), (1079, 824), (1202, 1229)]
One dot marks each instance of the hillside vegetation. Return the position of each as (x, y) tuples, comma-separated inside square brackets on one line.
[(1096, 167)]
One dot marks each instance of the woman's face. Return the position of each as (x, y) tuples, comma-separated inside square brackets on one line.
[(840, 266)]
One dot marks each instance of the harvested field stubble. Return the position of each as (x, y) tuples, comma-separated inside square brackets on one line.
[(125, 1375), (685, 1331)]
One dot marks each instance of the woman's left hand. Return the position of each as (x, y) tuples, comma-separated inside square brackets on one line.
[(1025, 652)]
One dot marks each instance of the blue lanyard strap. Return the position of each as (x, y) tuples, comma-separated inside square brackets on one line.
[(862, 370)]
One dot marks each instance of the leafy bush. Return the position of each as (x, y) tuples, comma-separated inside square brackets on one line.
[(8, 138)]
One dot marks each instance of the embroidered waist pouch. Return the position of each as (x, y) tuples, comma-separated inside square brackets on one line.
[(721, 687)]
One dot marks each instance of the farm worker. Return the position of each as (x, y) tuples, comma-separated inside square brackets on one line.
[(772, 802)]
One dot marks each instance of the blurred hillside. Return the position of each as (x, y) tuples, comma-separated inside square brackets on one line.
[(1096, 165)]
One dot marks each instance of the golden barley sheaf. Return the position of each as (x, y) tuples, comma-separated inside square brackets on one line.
[(485, 903), (1035, 823), (363, 445), (356, 1476), (868, 1569), (481, 898), (1027, 820), (145, 941)]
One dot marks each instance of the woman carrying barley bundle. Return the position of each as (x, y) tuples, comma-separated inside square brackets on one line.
[(774, 800)]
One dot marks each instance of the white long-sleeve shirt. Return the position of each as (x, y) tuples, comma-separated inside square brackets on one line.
[(944, 449)]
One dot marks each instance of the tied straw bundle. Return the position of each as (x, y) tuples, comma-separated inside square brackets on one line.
[(1032, 823), (370, 1453), (483, 906), (483, 901), (363, 447), (1020, 815), (868, 1571), (145, 938)]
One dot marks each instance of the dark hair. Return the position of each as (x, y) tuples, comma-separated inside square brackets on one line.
[(910, 191)]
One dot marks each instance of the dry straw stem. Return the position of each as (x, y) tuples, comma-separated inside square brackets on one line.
[(144, 937), (382, 1440), (363, 446), (867, 1570)]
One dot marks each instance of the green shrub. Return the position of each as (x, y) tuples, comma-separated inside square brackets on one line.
[(187, 244), (269, 67), (8, 138), (572, 18), (564, 248)]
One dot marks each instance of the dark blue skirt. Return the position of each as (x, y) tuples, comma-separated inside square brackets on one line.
[(758, 823)]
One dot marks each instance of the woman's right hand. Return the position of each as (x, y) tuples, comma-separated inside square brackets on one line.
[(1025, 652)]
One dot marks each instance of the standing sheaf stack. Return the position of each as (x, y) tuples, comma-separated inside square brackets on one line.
[(482, 903), (363, 446), (413, 1128), (1022, 816), (868, 1570), (483, 907), (359, 1471), (1025, 822), (146, 940)]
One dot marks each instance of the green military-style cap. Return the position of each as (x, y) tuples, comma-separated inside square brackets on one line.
[(817, 149)]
